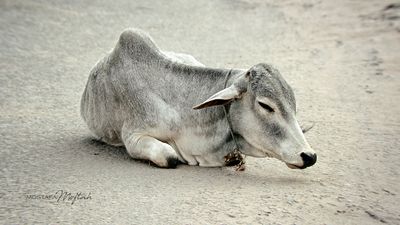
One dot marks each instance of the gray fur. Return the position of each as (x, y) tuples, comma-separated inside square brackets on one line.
[(142, 97)]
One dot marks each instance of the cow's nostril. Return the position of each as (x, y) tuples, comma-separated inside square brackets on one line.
[(309, 159)]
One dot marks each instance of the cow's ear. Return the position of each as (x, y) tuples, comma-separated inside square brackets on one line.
[(221, 98)]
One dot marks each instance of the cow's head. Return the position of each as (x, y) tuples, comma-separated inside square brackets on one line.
[(263, 117)]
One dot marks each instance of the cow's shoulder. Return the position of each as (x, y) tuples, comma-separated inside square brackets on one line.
[(138, 44)]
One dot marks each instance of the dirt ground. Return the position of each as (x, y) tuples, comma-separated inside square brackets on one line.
[(341, 57)]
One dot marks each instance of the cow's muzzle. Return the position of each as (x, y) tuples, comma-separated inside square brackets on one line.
[(309, 159)]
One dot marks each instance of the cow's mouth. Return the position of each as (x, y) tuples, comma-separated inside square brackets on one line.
[(293, 166)]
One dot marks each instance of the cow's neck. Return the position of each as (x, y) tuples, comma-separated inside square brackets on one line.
[(203, 83)]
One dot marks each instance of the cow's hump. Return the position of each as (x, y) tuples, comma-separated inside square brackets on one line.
[(138, 45)]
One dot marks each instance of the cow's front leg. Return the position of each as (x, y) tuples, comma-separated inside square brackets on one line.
[(145, 147)]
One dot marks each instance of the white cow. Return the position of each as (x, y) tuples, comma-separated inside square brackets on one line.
[(141, 97)]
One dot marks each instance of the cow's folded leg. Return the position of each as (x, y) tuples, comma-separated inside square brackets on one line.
[(149, 148)]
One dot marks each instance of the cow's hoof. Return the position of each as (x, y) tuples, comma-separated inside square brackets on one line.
[(172, 162), (168, 163)]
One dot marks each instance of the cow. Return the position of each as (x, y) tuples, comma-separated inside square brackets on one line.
[(170, 109)]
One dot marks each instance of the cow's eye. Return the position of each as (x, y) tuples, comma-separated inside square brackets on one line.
[(266, 107)]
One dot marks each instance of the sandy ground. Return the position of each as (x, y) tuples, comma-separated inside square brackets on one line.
[(341, 57)]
